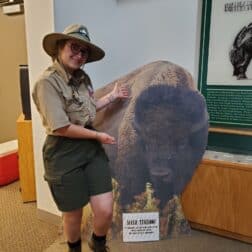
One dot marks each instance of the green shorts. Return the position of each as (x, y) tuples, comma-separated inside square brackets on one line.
[(75, 169)]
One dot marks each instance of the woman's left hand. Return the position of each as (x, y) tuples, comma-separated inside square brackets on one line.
[(120, 91)]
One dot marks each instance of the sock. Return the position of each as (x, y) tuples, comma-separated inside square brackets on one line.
[(98, 238), (74, 244)]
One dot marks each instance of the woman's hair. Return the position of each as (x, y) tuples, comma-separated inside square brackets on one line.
[(59, 45)]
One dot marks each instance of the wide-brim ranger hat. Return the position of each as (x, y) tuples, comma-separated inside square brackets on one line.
[(77, 32)]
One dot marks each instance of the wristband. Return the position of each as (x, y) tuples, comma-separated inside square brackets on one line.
[(96, 134), (111, 98)]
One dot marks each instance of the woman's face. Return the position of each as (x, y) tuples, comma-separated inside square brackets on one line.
[(73, 55)]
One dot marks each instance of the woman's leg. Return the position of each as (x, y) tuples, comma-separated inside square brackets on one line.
[(102, 206), (72, 225)]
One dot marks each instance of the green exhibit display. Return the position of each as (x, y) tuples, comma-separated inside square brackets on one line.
[(225, 73)]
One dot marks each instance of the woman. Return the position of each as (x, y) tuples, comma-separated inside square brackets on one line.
[(76, 166)]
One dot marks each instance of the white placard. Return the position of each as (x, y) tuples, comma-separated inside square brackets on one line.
[(140, 227)]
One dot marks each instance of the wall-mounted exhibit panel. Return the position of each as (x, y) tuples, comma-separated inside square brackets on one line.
[(225, 72)]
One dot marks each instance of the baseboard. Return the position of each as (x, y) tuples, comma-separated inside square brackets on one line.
[(220, 232), (49, 217)]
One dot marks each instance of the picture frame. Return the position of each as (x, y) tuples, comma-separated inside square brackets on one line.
[(228, 96)]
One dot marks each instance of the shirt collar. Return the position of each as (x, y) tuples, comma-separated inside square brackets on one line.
[(61, 71)]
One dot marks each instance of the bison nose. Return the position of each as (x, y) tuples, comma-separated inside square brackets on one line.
[(162, 175)]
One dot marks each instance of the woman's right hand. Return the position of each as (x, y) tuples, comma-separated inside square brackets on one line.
[(105, 138)]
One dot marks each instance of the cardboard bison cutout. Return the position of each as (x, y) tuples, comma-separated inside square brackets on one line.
[(161, 134)]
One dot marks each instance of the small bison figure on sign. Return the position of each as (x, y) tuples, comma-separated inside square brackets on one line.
[(241, 53)]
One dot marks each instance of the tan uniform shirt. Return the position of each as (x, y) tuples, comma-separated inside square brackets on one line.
[(61, 104)]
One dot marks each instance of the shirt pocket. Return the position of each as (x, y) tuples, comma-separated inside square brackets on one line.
[(51, 149), (77, 110)]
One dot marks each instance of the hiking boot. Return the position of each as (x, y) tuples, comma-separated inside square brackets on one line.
[(98, 246), (74, 247), (77, 249)]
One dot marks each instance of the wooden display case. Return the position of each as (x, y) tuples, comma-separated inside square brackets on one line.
[(218, 198)]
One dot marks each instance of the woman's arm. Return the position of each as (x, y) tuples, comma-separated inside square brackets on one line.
[(104, 101), (77, 131), (119, 92)]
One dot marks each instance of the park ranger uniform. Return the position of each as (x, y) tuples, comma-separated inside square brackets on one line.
[(75, 169)]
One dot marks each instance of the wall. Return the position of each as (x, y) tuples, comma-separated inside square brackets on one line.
[(132, 33), (13, 53), (39, 20)]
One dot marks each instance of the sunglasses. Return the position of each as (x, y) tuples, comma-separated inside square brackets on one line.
[(76, 49)]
